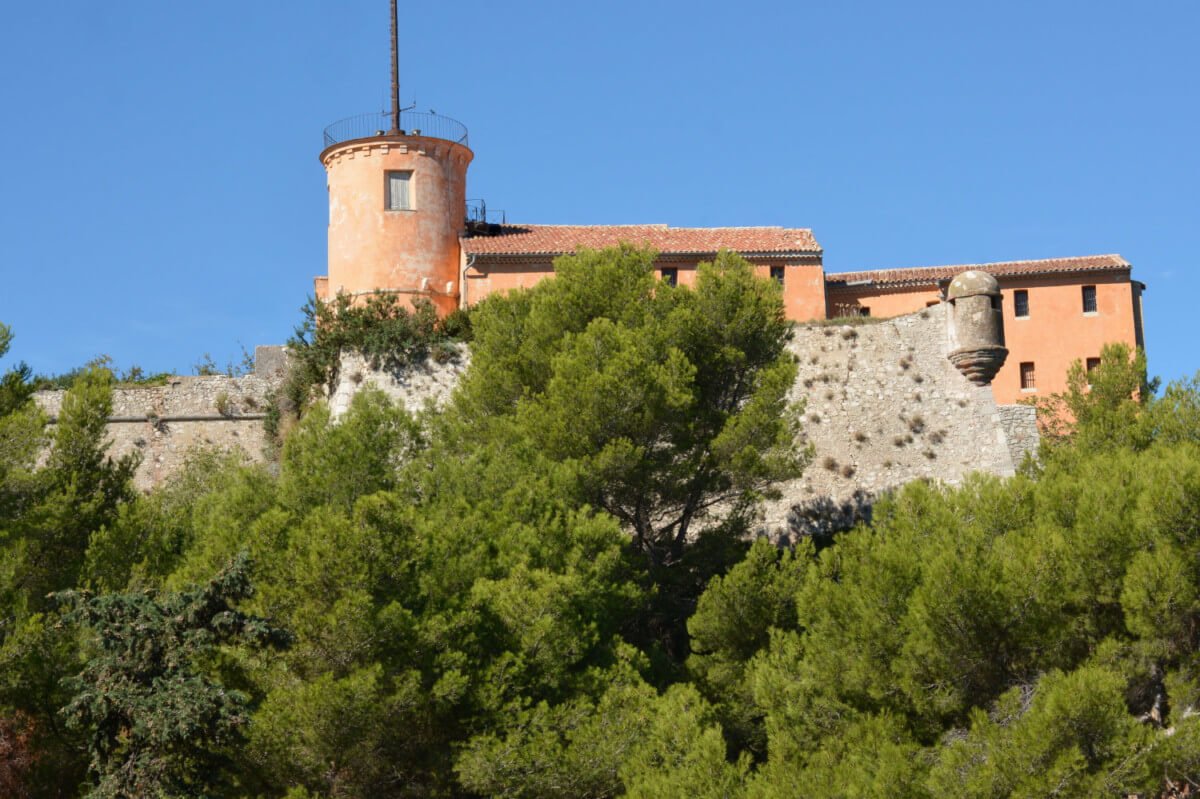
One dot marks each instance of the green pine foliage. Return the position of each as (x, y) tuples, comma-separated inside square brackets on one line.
[(546, 589), (156, 724)]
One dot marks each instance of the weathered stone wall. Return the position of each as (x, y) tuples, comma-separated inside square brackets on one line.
[(884, 406), (412, 386), (1020, 426), (164, 423)]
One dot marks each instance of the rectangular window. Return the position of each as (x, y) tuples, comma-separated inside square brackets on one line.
[(1021, 303), (777, 274), (1092, 363), (670, 274), (864, 311), (398, 195), (1028, 380), (1089, 299)]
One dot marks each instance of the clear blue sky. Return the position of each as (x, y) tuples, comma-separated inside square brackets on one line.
[(162, 195)]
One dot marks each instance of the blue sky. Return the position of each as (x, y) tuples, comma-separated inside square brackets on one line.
[(163, 199)]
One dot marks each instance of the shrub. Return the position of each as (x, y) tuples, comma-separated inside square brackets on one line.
[(382, 329)]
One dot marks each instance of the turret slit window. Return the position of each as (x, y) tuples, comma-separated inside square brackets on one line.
[(1089, 299), (1021, 303), (671, 275), (398, 191), (1028, 378)]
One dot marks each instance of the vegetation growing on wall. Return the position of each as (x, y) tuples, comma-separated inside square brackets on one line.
[(495, 600), (380, 327)]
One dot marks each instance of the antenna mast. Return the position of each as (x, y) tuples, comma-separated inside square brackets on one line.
[(395, 72)]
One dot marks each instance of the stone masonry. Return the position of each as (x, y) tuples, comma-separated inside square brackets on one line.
[(412, 386), (883, 405), (165, 423)]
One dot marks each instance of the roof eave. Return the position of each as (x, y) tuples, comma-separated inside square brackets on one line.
[(839, 282)]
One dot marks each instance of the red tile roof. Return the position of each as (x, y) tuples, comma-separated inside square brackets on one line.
[(933, 274), (559, 239)]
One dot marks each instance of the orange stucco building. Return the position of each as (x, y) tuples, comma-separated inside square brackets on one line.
[(398, 223), (1056, 311)]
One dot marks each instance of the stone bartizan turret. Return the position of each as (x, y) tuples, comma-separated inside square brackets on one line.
[(976, 326)]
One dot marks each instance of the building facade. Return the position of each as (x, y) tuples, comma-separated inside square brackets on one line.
[(398, 223)]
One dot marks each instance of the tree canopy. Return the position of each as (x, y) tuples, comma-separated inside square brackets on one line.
[(547, 588)]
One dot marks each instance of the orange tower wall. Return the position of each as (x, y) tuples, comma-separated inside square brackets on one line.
[(411, 252)]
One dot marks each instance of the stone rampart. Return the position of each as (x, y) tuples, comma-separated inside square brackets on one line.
[(1020, 425), (884, 406), (413, 385), (164, 423)]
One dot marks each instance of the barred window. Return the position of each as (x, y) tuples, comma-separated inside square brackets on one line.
[(777, 274), (1021, 303), (670, 274), (1028, 379), (1089, 299)]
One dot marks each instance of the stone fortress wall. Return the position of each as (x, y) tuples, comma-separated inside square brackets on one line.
[(412, 386), (165, 423), (883, 405)]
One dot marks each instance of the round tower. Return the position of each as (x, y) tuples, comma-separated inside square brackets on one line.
[(976, 326), (397, 205)]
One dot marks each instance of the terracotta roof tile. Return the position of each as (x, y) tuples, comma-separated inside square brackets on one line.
[(559, 239), (933, 274)]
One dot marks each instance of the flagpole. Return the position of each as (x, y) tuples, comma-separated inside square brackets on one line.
[(395, 72)]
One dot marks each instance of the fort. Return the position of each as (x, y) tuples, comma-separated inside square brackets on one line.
[(885, 403), (929, 389), (399, 223)]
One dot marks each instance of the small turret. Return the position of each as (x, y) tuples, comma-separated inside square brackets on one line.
[(976, 326)]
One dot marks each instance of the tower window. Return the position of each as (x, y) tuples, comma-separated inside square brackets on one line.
[(777, 274), (1028, 378), (1021, 303), (398, 191), (1089, 299), (670, 274)]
